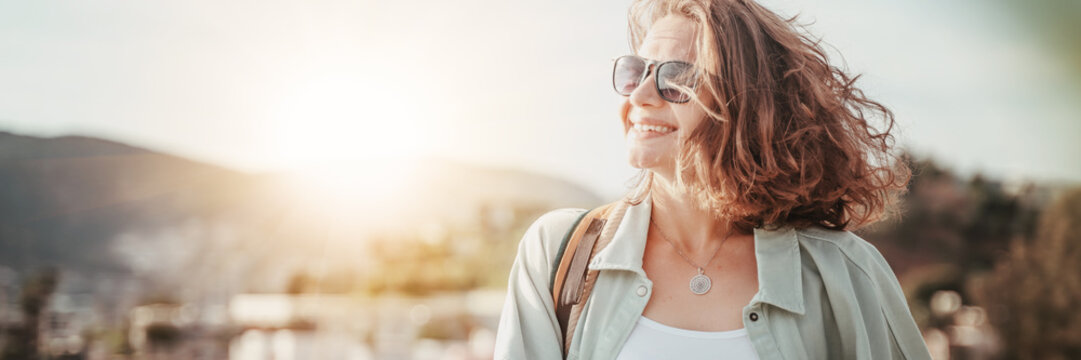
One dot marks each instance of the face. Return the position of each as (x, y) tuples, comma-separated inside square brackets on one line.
[(653, 127)]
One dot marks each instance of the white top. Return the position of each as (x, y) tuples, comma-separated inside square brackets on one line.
[(652, 340)]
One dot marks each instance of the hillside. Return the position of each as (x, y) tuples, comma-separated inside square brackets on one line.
[(92, 206)]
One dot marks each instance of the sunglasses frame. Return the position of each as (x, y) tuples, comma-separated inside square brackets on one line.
[(651, 69)]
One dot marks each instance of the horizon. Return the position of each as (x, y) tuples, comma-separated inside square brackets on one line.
[(383, 163), (289, 84)]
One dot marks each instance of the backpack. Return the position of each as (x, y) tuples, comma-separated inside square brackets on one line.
[(570, 281)]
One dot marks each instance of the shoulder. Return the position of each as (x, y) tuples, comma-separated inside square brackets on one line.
[(845, 255), (855, 274), (846, 261), (553, 225), (844, 243), (557, 219), (542, 240)]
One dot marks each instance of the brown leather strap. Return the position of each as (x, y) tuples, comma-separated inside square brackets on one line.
[(570, 249), (571, 286), (614, 218), (571, 289)]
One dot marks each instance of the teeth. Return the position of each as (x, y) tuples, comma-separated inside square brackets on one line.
[(654, 128)]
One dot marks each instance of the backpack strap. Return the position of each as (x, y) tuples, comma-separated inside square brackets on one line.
[(553, 287), (570, 284)]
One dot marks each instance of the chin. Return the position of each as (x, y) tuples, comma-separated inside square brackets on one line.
[(638, 165), (644, 161)]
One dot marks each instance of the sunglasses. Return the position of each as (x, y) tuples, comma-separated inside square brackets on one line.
[(671, 78)]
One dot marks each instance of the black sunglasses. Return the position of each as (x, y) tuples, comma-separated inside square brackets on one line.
[(669, 77)]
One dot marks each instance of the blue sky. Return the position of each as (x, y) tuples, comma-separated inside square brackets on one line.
[(279, 85)]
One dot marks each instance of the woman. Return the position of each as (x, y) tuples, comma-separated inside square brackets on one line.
[(758, 157)]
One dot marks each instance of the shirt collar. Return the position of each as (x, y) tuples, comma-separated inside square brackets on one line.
[(776, 251)]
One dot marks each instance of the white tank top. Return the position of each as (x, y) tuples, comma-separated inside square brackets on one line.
[(653, 340)]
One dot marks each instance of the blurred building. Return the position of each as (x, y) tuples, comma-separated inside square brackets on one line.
[(323, 326)]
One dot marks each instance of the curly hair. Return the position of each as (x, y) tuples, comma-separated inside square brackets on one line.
[(789, 139)]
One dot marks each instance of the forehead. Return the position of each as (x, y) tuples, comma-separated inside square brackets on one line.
[(670, 38)]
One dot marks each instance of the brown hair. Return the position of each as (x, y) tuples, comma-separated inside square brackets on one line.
[(787, 141)]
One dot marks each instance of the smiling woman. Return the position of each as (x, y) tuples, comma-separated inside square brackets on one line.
[(759, 159)]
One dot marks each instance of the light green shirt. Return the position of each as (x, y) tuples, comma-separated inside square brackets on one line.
[(822, 295)]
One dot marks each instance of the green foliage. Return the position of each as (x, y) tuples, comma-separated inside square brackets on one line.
[(163, 336), (162, 298), (334, 282), (447, 328), (461, 258), (947, 220), (37, 291), (923, 282), (22, 341), (951, 233), (1034, 293), (1054, 22)]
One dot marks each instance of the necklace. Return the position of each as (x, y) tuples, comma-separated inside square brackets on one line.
[(700, 283)]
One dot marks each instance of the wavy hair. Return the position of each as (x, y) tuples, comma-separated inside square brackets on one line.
[(789, 139)]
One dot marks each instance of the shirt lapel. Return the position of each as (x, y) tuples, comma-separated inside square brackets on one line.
[(780, 278), (628, 244), (776, 251)]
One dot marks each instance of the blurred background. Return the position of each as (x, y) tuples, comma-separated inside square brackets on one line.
[(332, 179)]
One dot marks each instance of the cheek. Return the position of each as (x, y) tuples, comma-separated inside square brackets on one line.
[(624, 113), (689, 116)]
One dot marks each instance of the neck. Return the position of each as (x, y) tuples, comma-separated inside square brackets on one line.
[(687, 225)]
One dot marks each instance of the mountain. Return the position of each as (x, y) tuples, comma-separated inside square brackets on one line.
[(93, 206), (62, 200)]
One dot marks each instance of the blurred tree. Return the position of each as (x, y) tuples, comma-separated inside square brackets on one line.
[(22, 342), (951, 230), (1055, 23), (947, 220), (454, 258), (301, 282), (335, 281), (1034, 293), (163, 336), (993, 219)]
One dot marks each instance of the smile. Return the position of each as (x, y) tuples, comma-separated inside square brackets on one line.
[(653, 128)]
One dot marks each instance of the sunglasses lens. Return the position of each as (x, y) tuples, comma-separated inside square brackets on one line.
[(627, 73), (675, 80)]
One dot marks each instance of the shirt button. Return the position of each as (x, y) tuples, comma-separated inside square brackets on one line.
[(642, 290), (754, 316)]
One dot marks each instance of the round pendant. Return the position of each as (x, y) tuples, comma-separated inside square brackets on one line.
[(700, 284)]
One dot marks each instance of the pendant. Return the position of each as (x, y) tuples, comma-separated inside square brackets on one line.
[(700, 283)]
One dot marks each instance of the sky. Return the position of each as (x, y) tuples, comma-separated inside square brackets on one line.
[(267, 86)]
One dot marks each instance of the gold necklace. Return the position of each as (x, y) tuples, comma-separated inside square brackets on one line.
[(700, 284)]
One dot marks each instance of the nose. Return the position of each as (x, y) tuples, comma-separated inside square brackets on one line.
[(646, 92)]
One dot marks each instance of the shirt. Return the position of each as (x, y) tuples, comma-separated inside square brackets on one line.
[(651, 340), (822, 294)]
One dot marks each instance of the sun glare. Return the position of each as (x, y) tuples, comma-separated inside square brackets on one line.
[(349, 142), (330, 121), (355, 187)]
